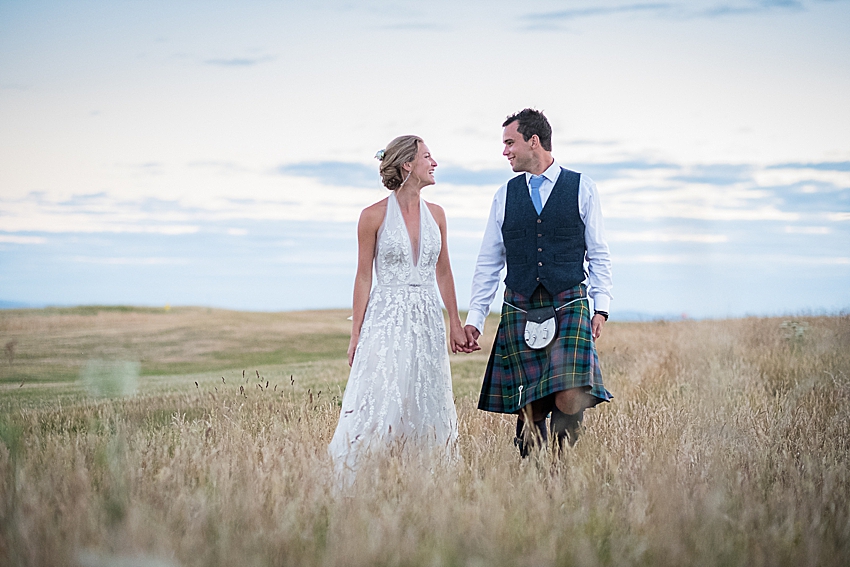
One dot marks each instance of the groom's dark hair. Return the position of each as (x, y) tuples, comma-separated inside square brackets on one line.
[(532, 122)]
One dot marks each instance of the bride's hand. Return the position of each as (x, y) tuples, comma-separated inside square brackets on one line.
[(458, 340), (352, 347)]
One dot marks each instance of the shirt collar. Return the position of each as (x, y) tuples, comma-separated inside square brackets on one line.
[(551, 173)]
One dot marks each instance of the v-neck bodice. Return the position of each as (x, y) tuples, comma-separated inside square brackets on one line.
[(415, 250), (395, 263)]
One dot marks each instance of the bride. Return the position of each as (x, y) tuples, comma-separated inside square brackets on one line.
[(400, 388)]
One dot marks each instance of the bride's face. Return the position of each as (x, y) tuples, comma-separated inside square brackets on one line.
[(423, 166)]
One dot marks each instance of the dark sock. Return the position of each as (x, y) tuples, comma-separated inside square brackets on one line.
[(540, 437), (542, 432), (566, 427), (518, 439)]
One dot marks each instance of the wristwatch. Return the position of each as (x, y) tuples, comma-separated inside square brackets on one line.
[(603, 313)]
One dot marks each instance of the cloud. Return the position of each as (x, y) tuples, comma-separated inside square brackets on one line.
[(642, 189), (701, 259), (812, 196), (658, 236), (17, 239), (339, 173), (414, 26), (354, 174), (819, 166), (807, 230), (658, 259), (128, 260), (360, 175), (221, 166), (587, 142), (752, 8), (547, 19), (94, 213), (162, 206), (717, 174), (614, 169), (84, 199), (147, 168), (575, 13), (631, 188), (239, 61), (461, 176), (721, 191)]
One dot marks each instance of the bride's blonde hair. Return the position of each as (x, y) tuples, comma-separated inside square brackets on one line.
[(400, 151)]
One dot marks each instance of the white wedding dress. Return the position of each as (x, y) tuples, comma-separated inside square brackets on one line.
[(399, 392)]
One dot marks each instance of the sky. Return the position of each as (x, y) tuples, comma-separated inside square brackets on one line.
[(219, 153)]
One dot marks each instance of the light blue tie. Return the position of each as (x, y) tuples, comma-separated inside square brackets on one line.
[(535, 182)]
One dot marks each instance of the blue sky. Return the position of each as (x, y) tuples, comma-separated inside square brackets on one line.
[(219, 153)]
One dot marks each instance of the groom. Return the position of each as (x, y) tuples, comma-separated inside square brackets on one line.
[(544, 224)]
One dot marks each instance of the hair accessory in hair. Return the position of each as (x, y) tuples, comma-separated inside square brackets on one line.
[(380, 155)]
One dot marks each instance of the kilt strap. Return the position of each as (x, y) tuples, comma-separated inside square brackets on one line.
[(556, 308)]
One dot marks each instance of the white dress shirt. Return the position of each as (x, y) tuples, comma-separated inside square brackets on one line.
[(491, 257)]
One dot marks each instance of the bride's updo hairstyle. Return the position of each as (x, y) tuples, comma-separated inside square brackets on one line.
[(400, 151)]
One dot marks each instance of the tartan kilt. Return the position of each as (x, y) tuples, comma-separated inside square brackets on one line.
[(569, 361)]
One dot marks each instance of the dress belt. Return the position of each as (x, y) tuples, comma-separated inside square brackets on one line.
[(406, 285)]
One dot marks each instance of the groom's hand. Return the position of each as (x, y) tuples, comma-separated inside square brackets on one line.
[(596, 324), (472, 335)]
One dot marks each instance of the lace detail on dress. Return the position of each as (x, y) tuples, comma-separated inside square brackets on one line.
[(393, 254), (400, 382)]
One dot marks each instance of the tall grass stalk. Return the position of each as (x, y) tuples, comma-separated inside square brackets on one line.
[(727, 444)]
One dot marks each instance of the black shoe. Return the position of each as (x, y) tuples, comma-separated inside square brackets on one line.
[(527, 440), (566, 427)]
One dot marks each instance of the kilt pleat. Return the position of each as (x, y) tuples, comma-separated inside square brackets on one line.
[(517, 375)]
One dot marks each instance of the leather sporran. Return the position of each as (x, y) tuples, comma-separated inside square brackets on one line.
[(541, 326)]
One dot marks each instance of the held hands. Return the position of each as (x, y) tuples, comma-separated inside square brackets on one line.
[(460, 340), (471, 334)]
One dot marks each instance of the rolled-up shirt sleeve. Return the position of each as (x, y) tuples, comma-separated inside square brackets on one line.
[(598, 258)]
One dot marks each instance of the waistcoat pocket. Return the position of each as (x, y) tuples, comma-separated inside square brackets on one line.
[(567, 258), (517, 259), (569, 231)]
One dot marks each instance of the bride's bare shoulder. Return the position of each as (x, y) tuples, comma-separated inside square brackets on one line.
[(436, 211), (374, 214)]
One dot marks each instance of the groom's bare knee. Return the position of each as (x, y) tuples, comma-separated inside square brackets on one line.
[(573, 400)]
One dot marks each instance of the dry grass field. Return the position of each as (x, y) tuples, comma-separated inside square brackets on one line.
[(144, 437)]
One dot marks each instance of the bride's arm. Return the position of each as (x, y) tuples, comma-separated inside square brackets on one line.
[(446, 283), (367, 234)]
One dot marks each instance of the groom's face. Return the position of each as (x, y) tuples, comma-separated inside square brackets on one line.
[(517, 150)]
